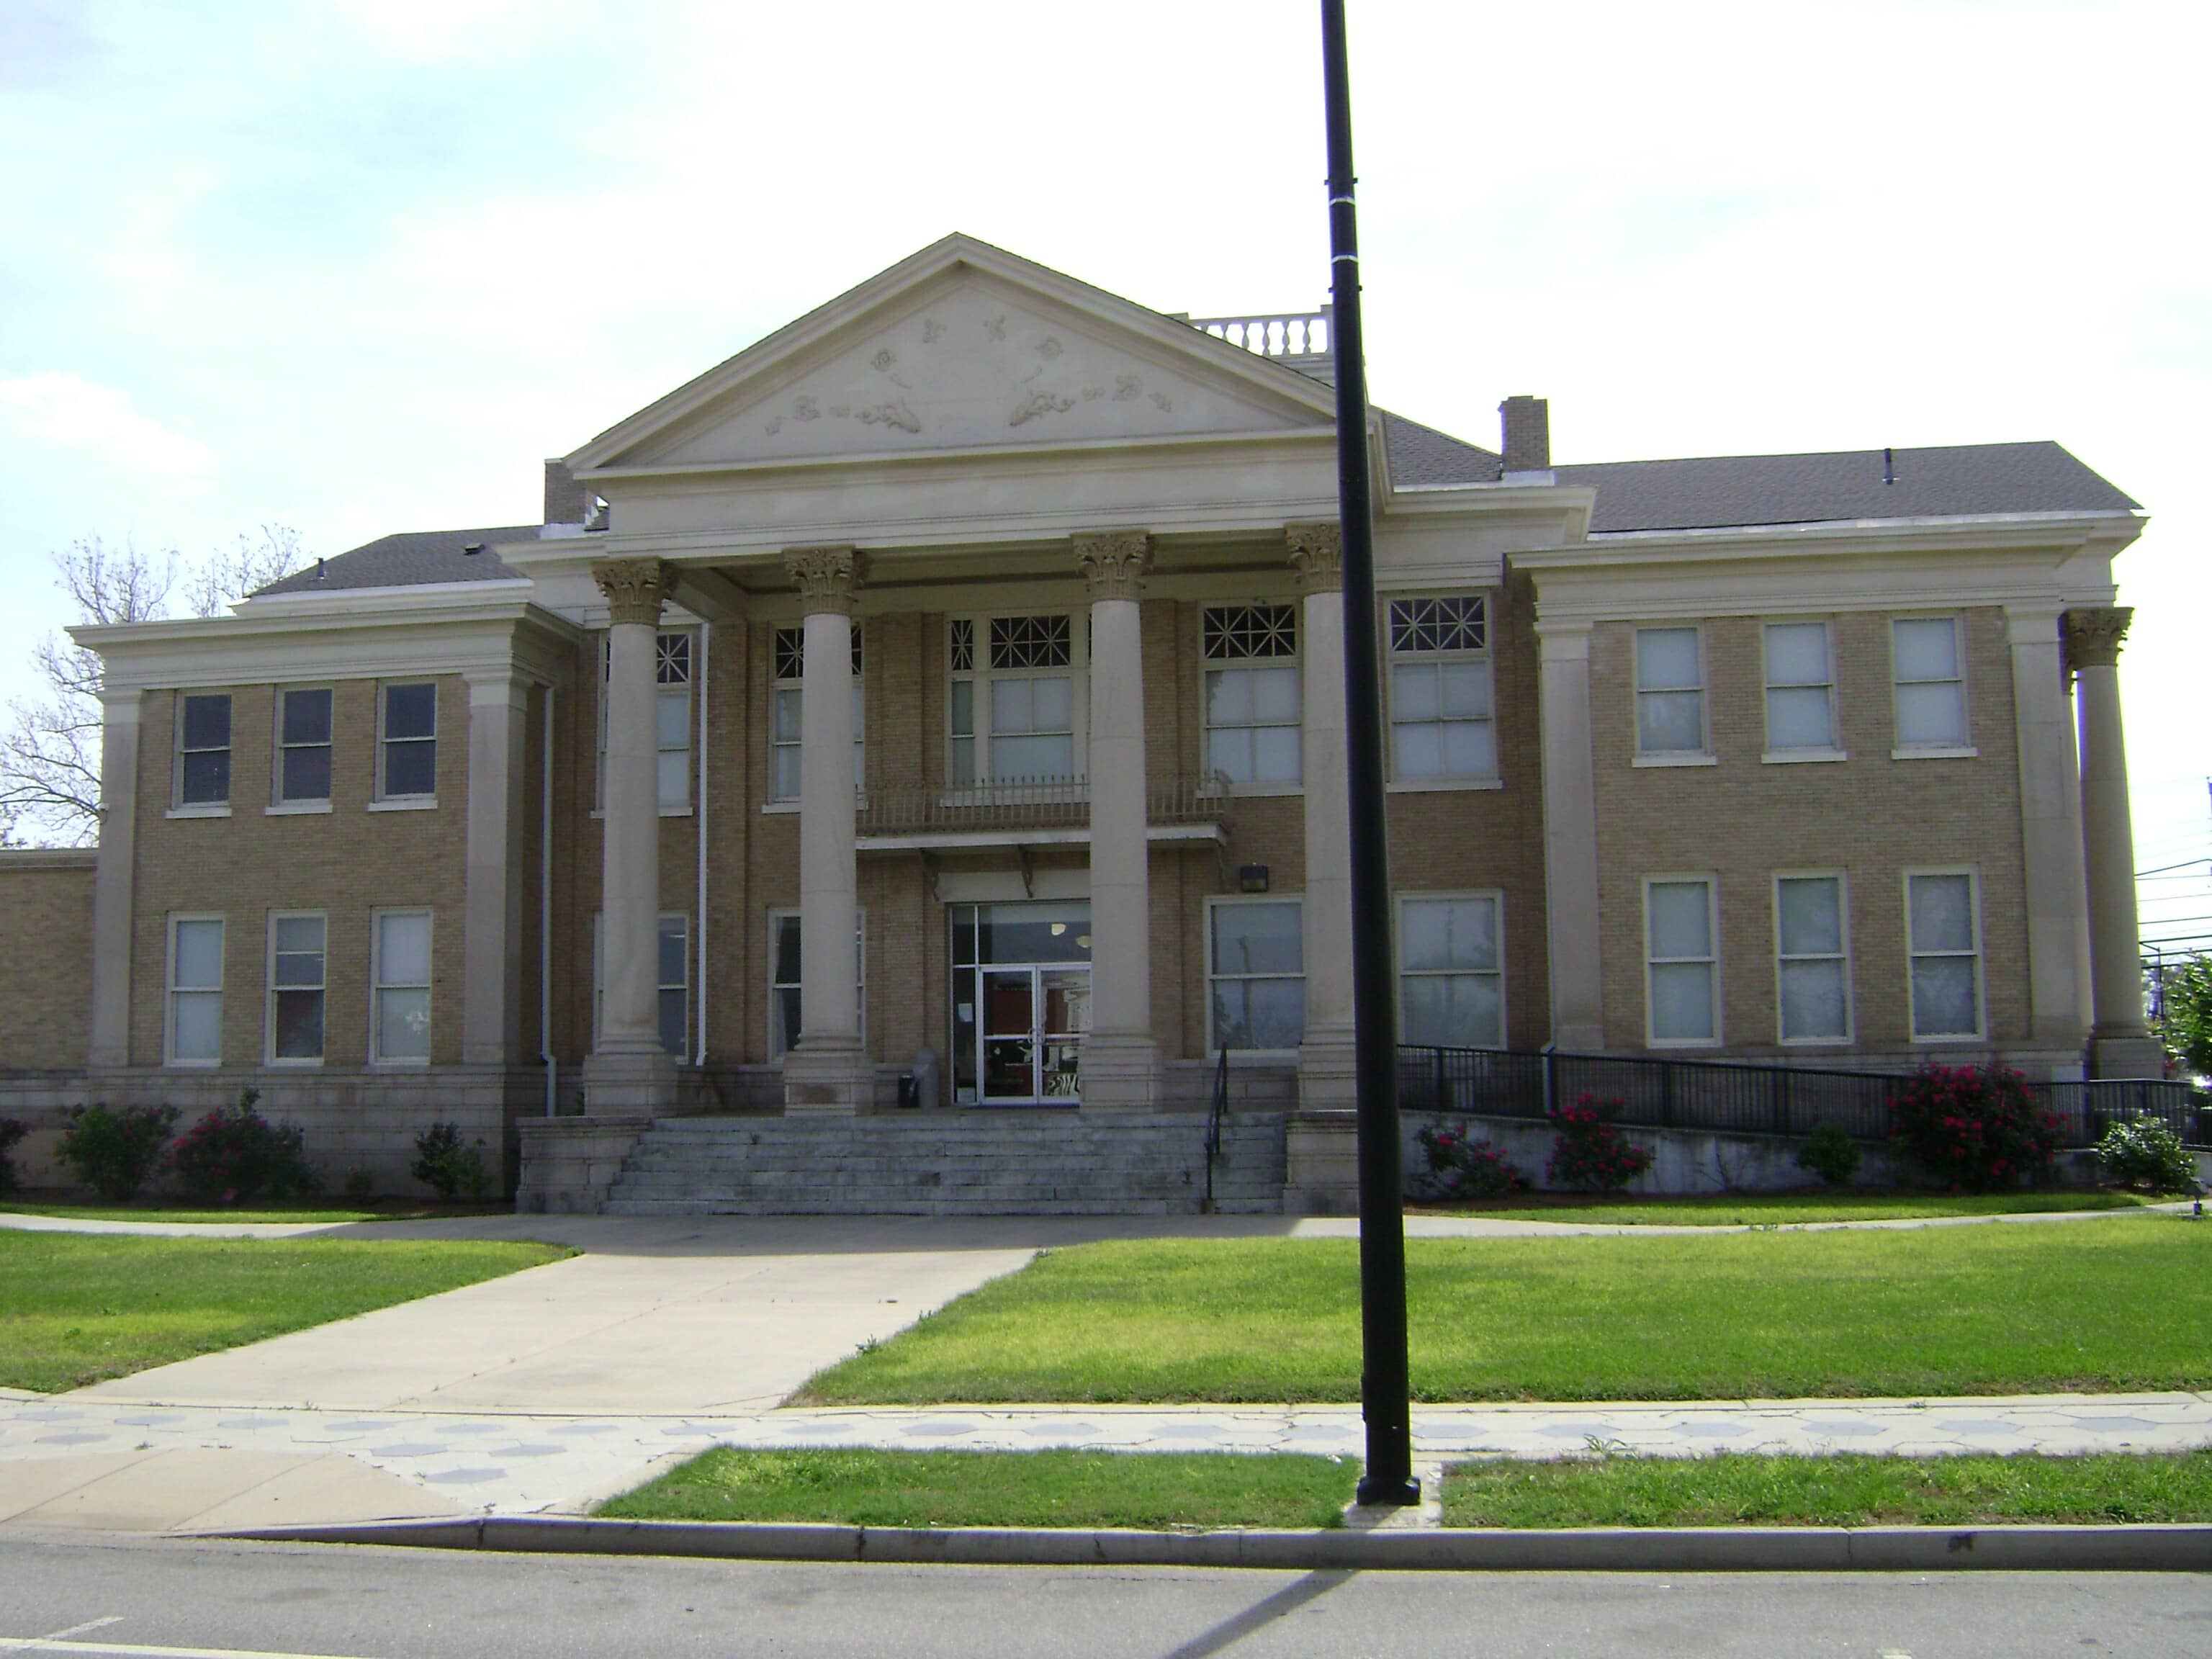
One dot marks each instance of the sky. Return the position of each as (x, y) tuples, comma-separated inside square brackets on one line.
[(356, 267)]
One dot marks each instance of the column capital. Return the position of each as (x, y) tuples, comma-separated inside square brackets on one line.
[(828, 578), (1116, 562), (1317, 555), (2094, 636), (635, 588)]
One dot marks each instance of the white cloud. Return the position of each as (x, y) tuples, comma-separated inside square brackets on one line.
[(78, 414)]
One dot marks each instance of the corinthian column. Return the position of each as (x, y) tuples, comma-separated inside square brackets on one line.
[(1326, 1068), (2120, 1044), (828, 1072), (1120, 1062), (629, 1071)]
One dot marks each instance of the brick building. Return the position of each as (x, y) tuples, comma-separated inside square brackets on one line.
[(959, 670)]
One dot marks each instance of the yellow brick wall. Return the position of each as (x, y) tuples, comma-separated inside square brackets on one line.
[(46, 961)]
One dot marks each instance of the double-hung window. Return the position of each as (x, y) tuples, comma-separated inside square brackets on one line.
[(1441, 690), (1801, 688), (1013, 698), (672, 719), (784, 1012), (1251, 654), (1812, 959), (195, 991), (1930, 683), (303, 747), (1451, 978), (296, 986), (407, 743), (671, 981), (1681, 961), (784, 708), (1256, 973), (1944, 928), (399, 978), (204, 750), (1671, 693)]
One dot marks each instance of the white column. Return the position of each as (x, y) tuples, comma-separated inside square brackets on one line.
[(2120, 1042), (491, 958), (1121, 1060), (828, 1072), (2050, 827), (1327, 1070), (629, 1071), (111, 877), (1571, 889)]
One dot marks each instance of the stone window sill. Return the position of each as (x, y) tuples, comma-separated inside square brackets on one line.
[(665, 812), (1802, 756), (1934, 751), (405, 804), (1440, 786), (1264, 790), (1685, 758), (296, 809), (205, 810)]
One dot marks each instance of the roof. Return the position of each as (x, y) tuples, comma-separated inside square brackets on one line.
[(411, 559)]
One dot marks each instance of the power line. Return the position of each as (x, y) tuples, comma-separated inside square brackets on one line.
[(2186, 864)]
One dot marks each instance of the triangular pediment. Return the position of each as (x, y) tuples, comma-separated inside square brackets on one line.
[(963, 346)]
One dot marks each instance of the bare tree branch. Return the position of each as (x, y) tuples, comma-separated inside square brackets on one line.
[(231, 574)]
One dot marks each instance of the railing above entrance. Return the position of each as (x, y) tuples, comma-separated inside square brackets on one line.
[(1023, 803)]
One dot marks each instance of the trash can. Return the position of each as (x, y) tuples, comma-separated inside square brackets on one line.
[(909, 1096)]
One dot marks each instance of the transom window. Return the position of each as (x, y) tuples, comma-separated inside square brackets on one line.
[(785, 704), (203, 750), (1014, 704), (1441, 692), (1801, 686), (303, 734), (1930, 684), (1812, 965), (1451, 980), (1670, 692), (1251, 653)]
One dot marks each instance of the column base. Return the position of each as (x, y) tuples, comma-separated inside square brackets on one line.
[(1120, 1074), (1329, 1070), (1321, 1172), (2129, 1056), (828, 1080), (630, 1083)]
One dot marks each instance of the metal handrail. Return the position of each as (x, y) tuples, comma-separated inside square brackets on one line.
[(1051, 803), (1215, 1113)]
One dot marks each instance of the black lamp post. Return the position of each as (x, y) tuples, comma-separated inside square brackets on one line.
[(1384, 1388)]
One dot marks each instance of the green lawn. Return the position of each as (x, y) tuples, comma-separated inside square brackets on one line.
[(1734, 1489), (76, 1308), (1770, 1209), (1150, 1490), (2123, 1305)]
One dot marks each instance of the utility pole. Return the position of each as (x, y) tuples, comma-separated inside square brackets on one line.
[(1385, 1392)]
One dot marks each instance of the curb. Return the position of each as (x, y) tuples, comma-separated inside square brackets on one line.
[(2161, 1548)]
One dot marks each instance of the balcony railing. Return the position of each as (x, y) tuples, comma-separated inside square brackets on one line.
[(1015, 804), (1301, 337)]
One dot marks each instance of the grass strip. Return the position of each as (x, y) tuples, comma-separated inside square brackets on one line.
[(1774, 1209), (2121, 1305), (1739, 1489), (1154, 1491), (296, 1212), (78, 1307)]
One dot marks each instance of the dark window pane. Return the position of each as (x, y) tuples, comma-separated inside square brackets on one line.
[(787, 950), (207, 777), (207, 722), (671, 952), (410, 768), (411, 711), (299, 1025), (307, 774), (306, 717), (671, 1021)]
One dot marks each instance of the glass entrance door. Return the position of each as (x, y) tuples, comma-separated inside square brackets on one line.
[(1009, 1036), (1021, 1003)]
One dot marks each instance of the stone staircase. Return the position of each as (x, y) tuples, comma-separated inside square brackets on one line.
[(968, 1163)]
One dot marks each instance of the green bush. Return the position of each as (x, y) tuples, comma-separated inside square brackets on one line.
[(1975, 1128), (449, 1166), (11, 1131), (360, 1186), (1591, 1153), (114, 1151), (1460, 1168), (235, 1154), (1830, 1154), (2144, 1153)]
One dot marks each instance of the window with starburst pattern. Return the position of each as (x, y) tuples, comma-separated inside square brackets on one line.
[(1252, 692), (788, 654), (1014, 698), (1443, 711)]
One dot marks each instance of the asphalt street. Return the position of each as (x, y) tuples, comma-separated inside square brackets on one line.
[(169, 1598)]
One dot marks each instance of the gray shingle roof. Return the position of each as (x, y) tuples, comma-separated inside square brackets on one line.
[(413, 558), (1422, 455)]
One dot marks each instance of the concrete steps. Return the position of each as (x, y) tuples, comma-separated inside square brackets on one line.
[(1012, 1163)]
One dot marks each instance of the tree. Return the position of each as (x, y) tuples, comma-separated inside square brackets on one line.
[(2185, 1023), (49, 756)]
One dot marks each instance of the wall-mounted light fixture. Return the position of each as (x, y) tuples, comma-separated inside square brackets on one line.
[(1252, 877)]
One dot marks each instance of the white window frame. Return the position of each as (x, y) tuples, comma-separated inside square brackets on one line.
[(1703, 754), (1247, 1056), (1841, 956), (981, 676), (179, 807), (321, 988), (1415, 657), (1296, 662), (681, 920), (171, 990), (1496, 899), (385, 800), (1963, 748), (776, 917), (377, 987), (780, 686), (1834, 749), (1711, 882), (665, 691), (1978, 956), (279, 801)]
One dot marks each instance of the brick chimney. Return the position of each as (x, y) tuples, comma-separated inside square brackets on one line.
[(566, 502), (1527, 422)]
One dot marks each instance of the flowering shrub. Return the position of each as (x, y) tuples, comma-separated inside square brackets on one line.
[(1460, 1168), (235, 1154), (11, 1131), (1974, 1127), (1591, 1153), (449, 1166), (113, 1151), (2144, 1152)]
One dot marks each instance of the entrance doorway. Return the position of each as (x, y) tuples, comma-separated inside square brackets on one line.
[(1021, 1002)]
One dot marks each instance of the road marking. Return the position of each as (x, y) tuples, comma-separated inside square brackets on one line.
[(58, 1643), (79, 1630)]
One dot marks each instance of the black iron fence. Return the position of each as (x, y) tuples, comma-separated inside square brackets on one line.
[(1789, 1099)]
